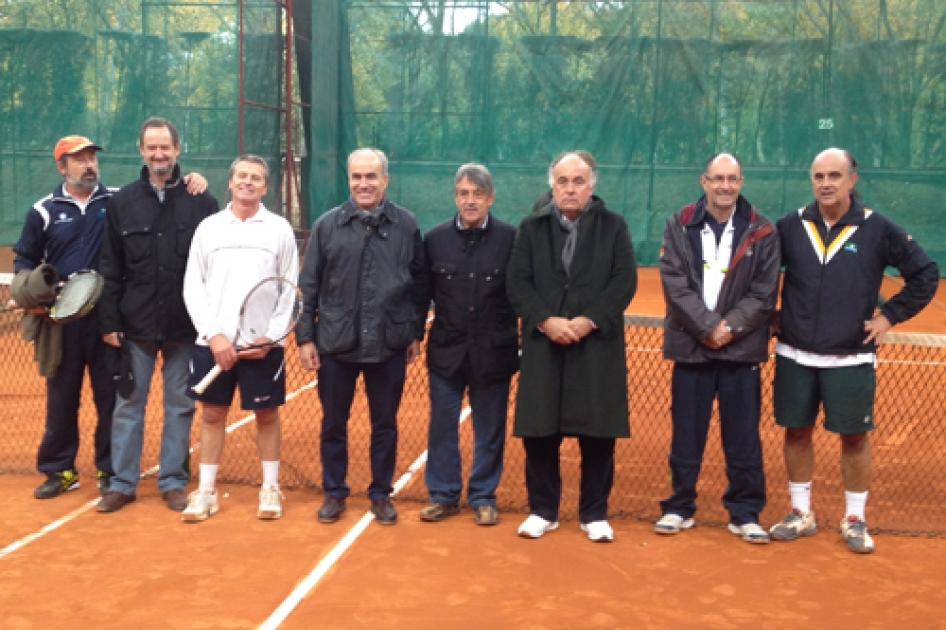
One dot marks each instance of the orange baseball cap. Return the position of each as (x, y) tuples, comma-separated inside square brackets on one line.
[(73, 144)]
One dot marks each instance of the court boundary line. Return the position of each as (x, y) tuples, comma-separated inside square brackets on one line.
[(312, 580), (51, 527)]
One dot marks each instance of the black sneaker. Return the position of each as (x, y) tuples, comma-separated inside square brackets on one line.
[(104, 480), (56, 484)]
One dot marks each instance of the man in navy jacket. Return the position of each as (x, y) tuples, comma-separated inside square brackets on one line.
[(834, 252), (473, 347)]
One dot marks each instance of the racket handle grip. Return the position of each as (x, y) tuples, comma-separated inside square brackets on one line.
[(205, 382)]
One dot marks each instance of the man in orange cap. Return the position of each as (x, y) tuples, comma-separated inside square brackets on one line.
[(65, 229)]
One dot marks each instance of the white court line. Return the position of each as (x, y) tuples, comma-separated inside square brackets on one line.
[(151, 471), (311, 580), (49, 528)]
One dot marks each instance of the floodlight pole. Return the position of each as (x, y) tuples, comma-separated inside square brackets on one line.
[(289, 161)]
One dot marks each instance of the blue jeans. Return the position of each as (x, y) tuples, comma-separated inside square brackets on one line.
[(384, 384), (489, 403), (128, 422)]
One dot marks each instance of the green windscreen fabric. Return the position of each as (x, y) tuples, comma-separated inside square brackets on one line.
[(651, 88), (99, 68)]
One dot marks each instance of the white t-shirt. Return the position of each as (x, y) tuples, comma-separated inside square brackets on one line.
[(227, 258)]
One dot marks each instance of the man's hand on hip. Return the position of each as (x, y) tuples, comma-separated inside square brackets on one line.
[(876, 329)]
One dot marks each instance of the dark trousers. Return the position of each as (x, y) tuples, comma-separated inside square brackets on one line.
[(82, 347), (738, 388), (544, 479), (384, 383)]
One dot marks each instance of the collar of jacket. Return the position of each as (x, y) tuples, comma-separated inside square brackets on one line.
[(853, 216), (172, 181), (477, 231), (350, 211), (100, 192), (596, 202), (695, 213)]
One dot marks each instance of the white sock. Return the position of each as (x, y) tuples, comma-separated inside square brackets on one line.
[(271, 473), (801, 496), (208, 477), (856, 502)]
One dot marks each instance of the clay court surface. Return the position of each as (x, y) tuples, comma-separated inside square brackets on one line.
[(63, 565)]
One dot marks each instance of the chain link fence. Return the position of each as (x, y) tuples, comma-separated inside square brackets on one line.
[(908, 490)]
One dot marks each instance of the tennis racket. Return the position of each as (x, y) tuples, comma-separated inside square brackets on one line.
[(270, 311), (76, 297)]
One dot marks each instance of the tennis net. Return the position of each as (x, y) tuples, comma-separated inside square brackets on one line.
[(908, 488)]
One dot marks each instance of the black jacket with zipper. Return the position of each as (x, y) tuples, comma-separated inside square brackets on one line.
[(747, 296), (474, 324), (825, 301)]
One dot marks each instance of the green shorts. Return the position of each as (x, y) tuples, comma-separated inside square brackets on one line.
[(847, 394)]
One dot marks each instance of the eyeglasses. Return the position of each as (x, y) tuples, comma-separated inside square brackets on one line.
[(833, 177), (719, 180)]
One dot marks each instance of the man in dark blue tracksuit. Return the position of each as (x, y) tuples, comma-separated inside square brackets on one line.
[(719, 266), (64, 229)]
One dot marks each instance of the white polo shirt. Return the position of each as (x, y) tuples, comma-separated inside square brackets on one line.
[(228, 257)]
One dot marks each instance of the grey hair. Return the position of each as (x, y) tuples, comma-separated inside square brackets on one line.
[(584, 156), (369, 151), (478, 175), (252, 159)]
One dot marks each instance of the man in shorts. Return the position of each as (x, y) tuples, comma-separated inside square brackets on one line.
[(834, 252), (231, 252)]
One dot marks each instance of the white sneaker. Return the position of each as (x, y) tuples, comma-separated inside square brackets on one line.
[(751, 533), (200, 506), (536, 527), (270, 507), (672, 524), (598, 531)]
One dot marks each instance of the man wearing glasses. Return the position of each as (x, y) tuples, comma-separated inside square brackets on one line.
[(719, 266), (835, 252)]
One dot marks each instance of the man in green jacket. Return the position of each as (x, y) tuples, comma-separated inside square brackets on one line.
[(571, 275)]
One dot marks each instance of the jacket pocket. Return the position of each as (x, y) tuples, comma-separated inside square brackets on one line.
[(136, 242), (495, 280), (398, 328), (335, 332), (443, 270)]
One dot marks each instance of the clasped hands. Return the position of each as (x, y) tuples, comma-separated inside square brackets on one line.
[(567, 331)]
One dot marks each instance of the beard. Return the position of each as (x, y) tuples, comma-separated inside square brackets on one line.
[(83, 182), (162, 169)]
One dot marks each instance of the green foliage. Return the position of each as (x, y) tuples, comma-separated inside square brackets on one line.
[(652, 88), (100, 67)]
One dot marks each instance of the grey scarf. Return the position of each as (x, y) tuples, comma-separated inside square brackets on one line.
[(571, 236)]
